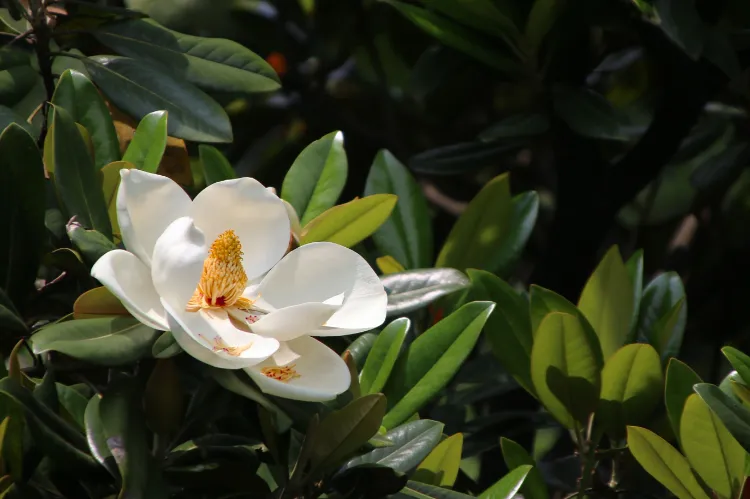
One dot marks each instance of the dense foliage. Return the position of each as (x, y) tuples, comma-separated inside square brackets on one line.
[(541, 186)]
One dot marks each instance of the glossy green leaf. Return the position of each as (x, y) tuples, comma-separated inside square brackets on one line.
[(515, 457), (76, 94), (149, 142), (664, 462), (666, 335), (419, 490), (456, 36), (634, 265), (632, 386), (524, 211), (407, 234), (90, 243), (464, 157), (441, 466), (735, 417), (22, 231), (740, 362), (315, 180), (587, 112), (712, 452), (211, 63), (165, 346), (509, 485), (382, 358), (342, 432), (140, 88), (109, 341), (349, 223), (607, 302), (542, 301), (660, 296), (480, 229), (566, 362), (517, 125), (76, 179), (414, 289), (508, 330), (432, 360), (412, 442), (361, 348), (678, 387), (215, 166), (123, 427)]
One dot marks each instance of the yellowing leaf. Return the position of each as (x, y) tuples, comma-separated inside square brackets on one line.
[(440, 467), (97, 302), (389, 265)]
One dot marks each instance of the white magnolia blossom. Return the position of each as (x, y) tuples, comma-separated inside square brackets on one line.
[(216, 273)]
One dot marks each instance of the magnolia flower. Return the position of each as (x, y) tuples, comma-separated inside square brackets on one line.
[(213, 271)]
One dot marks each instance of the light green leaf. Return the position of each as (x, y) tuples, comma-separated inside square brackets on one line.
[(315, 180), (677, 388), (634, 265), (149, 142), (735, 417), (215, 166), (110, 184), (382, 357), (407, 234), (542, 301), (515, 457), (440, 467), (509, 485)]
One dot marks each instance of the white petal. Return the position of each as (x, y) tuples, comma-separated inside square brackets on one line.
[(293, 220), (196, 333), (292, 322), (178, 262), (257, 216), (129, 280), (317, 272), (146, 205), (323, 375)]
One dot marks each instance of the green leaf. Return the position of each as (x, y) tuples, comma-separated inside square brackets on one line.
[(418, 490), (607, 302), (163, 402), (509, 485), (76, 178), (712, 452), (211, 63), (587, 113), (123, 427), (215, 166), (8, 116), (361, 347), (342, 432), (414, 289), (73, 403), (440, 467), (432, 360), (382, 358), (22, 231), (140, 88), (350, 223), (407, 234), (456, 36), (566, 362), (666, 336), (11, 438), (524, 210), (517, 125), (739, 361), (149, 142), (509, 329), (682, 23), (165, 346), (634, 265), (516, 457), (92, 244), (110, 185), (412, 442), (108, 341), (315, 180), (735, 417), (542, 301), (480, 229), (660, 296), (677, 388), (464, 157), (664, 462), (482, 15), (76, 94), (631, 388), (542, 17)]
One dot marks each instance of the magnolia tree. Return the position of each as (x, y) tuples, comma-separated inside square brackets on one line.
[(173, 328)]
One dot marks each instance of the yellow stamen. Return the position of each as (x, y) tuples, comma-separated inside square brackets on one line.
[(223, 279), (284, 374)]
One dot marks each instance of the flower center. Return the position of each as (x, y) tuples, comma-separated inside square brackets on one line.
[(223, 279), (284, 374)]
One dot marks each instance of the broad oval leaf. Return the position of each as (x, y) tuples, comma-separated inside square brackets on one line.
[(660, 296), (566, 362), (383, 355), (412, 442), (76, 94), (631, 388), (139, 88), (607, 302), (350, 223), (97, 302), (735, 417), (91, 243), (432, 360), (215, 166), (441, 466), (95, 437), (664, 462), (678, 386), (712, 452), (315, 180), (211, 63), (509, 485), (110, 341), (149, 142), (414, 289), (515, 457), (76, 178), (407, 234)]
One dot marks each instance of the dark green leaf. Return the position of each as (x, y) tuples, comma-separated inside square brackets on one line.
[(681, 22), (660, 297), (543, 301), (370, 480), (517, 125), (146, 149), (8, 116), (165, 346), (211, 63), (731, 412), (634, 265), (464, 157), (139, 88), (678, 387), (382, 357), (483, 15), (509, 485), (73, 403), (739, 361), (361, 347), (215, 166), (407, 234), (516, 457), (587, 113), (524, 210), (418, 490), (163, 400), (411, 290), (92, 244)]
